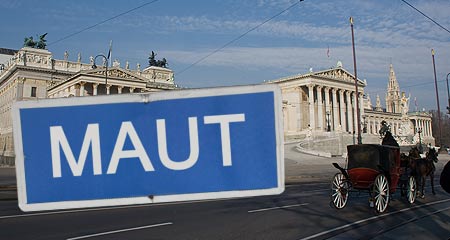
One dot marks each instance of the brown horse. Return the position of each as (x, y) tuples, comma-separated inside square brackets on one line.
[(423, 167), (406, 172)]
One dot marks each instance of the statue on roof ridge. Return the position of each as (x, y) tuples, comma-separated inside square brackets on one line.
[(41, 44)]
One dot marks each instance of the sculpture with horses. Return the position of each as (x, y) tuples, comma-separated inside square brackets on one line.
[(41, 44), (380, 169)]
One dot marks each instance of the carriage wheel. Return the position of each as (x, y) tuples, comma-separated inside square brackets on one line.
[(339, 190), (412, 189), (381, 193)]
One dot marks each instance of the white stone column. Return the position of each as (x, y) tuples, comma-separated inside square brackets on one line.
[(107, 89), (300, 109), (422, 125), (76, 90), (327, 108), (419, 125), (355, 114), (94, 89), (376, 124), (285, 118), (319, 107), (373, 124), (374, 127), (311, 106), (335, 109), (426, 128), (349, 112), (20, 84), (342, 106), (430, 130), (361, 110), (82, 88), (131, 89), (119, 89)]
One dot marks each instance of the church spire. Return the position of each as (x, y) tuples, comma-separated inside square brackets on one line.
[(393, 84), (393, 93)]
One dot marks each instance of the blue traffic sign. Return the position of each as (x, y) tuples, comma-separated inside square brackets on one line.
[(149, 148)]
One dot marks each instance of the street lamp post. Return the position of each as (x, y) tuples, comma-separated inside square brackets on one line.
[(328, 122), (448, 96), (358, 120), (437, 100), (106, 60)]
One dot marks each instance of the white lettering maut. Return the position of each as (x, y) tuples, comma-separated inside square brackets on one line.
[(162, 145), (127, 129), (224, 121), (92, 140)]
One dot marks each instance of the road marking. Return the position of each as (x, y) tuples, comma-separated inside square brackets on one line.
[(120, 231), (275, 208), (306, 185), (412, 220), (108, 208), (372, 218)]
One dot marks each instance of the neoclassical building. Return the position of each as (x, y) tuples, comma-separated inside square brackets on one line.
[(31, 74), (322, 105), (320, 101), (319, 107)]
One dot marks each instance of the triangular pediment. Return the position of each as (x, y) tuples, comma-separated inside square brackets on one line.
[(339, 74), (115, 73)]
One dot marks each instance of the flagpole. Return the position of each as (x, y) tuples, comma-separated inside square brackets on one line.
[(110, 52), (328, 56)]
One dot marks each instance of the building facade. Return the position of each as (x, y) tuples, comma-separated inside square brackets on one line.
[(322, 104), (31, 74), (317, 105), (320, 101)]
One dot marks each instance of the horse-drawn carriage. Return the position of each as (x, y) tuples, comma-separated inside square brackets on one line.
[(375, 168)]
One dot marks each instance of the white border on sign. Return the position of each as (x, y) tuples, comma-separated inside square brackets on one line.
[(145, 98)]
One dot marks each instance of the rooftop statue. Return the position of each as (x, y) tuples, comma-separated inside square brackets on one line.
[(29, 42), (157, 63), (41, 44)]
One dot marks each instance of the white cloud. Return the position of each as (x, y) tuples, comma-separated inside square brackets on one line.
[(412, 66)]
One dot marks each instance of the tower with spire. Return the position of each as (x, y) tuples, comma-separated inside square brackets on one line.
[(393, 98)]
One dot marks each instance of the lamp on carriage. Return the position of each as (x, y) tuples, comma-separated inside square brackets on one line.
[(328, 122)]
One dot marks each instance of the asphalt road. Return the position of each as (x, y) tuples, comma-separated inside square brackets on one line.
[(303, 211)]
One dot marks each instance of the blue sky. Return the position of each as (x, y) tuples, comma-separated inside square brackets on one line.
[(183, 32)]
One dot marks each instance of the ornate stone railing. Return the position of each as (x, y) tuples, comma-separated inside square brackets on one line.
[(43, 59)]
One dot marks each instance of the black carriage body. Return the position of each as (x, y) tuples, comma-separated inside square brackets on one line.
[(366, 161)]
